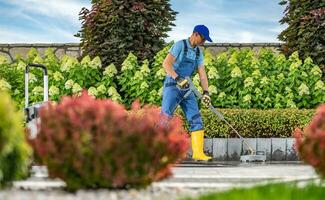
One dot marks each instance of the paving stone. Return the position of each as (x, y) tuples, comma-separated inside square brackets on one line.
[(208, 147), (278, 149), (291, 154), (264, 144), (234, 148), (251, 142), (220, 149)]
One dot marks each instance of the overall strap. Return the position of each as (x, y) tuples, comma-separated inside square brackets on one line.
[(185, 47), (197, 53)]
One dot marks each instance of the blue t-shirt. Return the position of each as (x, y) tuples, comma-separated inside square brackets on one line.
[(177, 50)]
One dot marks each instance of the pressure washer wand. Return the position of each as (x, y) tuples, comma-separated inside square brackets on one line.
[(214, 110)]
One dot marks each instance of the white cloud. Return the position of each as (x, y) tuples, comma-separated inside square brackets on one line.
[(62, 9), (54, 35)]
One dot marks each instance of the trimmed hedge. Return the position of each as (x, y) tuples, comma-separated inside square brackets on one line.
[(256, 123)]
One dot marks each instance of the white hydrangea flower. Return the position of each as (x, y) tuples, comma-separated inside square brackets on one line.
[(281, 58), (267, 99), (57, 76), (32, 78), (86, 61), (213, 73), (127, 63), (247, 98), (160, 91), (319, 85), (38, 59), (233, 59), (258, 91), (116, 98), (138, 75), (308, 61), (93, 91), (304, 74), (291, 104), (303, 89), (96, 63), (295, 65), (256, 73), (160, 74), (264, 80), (110, 71), (68, 84), (111, 91), (54, 90), (280, 76), (255, 63), (213, 89), (38, 90), (288, 89), (144, 85), (316, 71), (21, 66), (236, 72), (221, 95), (16, 92), (145, 69), (68, 64), (4, 85), (3, 60), (290, 95), (76, 88), (249, 82), (101, 89)]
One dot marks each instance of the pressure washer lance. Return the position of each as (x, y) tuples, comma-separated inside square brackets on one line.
[(253, 156)]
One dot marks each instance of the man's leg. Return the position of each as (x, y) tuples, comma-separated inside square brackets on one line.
[(193, 116), (170, 100)]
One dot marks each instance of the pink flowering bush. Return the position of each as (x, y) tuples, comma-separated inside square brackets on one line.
[(310, 142)]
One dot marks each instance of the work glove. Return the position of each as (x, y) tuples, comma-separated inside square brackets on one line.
[(182, 82), (206, 100)]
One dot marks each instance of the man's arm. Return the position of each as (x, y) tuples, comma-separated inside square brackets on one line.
[(203, 78), (168, 65)]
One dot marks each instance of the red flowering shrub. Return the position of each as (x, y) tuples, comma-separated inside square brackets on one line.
[(92, 143), (310, 142)]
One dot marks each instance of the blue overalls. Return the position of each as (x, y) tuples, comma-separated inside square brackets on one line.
[(172, 95)]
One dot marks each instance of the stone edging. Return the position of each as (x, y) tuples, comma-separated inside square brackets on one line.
[(230, 149)]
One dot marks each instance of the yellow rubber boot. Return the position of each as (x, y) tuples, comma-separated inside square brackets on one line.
[(197, 146)]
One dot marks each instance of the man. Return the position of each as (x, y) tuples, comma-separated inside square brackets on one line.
[(183, 59)]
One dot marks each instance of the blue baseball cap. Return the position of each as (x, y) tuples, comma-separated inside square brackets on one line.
[(203, 30)]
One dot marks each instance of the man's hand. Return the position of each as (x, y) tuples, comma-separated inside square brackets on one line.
[(182, 82), (206, 100)]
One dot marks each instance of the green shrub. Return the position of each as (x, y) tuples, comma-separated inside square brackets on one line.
[(14, 150), (255, 123), (98, 144), (310, 142), (112, 29), (237, 79)]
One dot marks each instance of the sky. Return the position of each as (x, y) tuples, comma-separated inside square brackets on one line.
[(56, 21)]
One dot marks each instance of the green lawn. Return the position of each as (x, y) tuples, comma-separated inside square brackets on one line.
[(272, 191)]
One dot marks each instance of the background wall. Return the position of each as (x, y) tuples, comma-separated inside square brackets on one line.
[(74, 50)]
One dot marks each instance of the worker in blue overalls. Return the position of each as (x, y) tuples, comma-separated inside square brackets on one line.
[(185, 58)]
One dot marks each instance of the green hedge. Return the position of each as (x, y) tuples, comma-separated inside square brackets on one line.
[(253, 123)]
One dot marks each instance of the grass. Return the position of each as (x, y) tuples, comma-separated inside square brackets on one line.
[(281, 191)]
